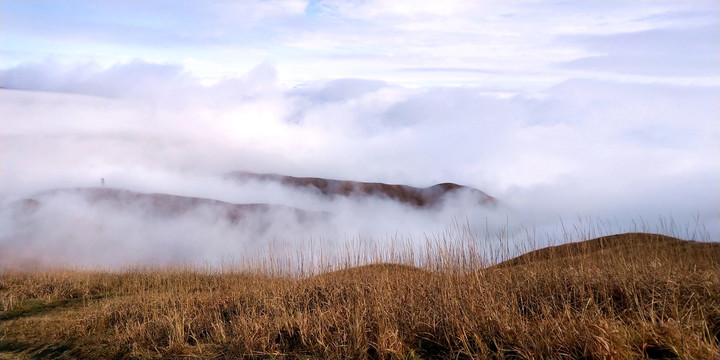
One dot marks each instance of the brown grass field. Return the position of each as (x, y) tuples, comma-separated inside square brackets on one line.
[(626, 296)]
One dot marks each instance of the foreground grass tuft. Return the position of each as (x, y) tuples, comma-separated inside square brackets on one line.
[(625, 296)]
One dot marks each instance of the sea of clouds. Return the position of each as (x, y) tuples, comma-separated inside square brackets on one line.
[(609, 155)]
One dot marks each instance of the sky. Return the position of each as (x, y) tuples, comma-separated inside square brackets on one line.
[(600, 110)]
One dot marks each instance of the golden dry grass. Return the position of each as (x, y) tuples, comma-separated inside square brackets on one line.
[(625, 296)]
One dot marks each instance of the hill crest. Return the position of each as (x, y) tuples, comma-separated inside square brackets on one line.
[(166, 205), (632, 243), (409, 195)]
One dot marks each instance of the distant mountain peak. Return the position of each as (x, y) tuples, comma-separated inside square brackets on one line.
[(165, 204), (414, 196)]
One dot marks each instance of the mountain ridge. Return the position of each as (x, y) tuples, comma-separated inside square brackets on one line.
[(409, 195), (166, 204)]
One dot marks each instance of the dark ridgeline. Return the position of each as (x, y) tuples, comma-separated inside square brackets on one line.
[(165, 205), (409, 195)]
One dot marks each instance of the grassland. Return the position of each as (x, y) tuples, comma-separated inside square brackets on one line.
[(625, 296)]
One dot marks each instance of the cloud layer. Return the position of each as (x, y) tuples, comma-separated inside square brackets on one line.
[(583, 148), (526, 44), (596, 110)]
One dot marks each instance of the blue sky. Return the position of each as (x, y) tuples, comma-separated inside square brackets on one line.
[(517, 45), (558, 108)]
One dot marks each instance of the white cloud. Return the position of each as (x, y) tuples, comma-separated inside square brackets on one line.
[(558, 109), (580, 148), (680, 51), (319, 40)]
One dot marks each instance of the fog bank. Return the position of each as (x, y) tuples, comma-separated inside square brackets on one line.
[(611, 151)]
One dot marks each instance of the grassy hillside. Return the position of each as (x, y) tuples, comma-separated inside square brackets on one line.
[(631, 246), (623, 296)]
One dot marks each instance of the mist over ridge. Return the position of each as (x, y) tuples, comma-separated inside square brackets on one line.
[(55, 140), (579, 112), (102, 226)]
